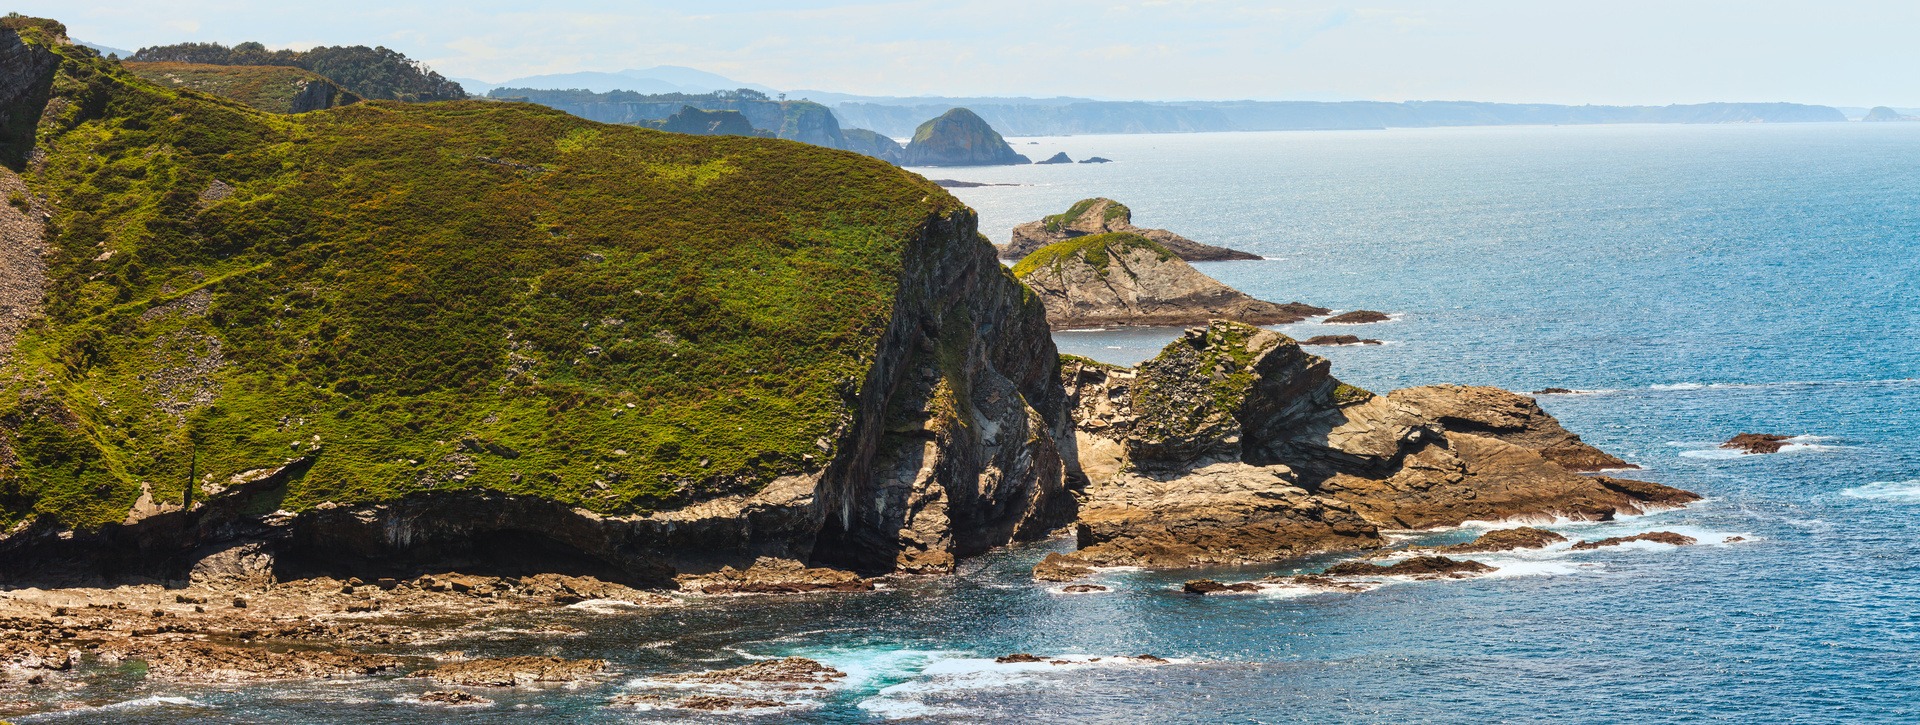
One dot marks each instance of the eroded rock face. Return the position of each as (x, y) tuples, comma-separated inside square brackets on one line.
[(1234, 445), (1101, 216), (1126, 279)]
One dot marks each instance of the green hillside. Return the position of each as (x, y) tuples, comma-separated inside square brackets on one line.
[(435, 296)]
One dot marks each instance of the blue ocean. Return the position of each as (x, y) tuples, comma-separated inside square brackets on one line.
[(1693, 282)]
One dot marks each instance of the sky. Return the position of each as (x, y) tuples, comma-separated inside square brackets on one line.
[(1834, 52)]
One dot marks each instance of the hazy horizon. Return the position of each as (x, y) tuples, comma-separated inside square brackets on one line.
[(1630, 53)]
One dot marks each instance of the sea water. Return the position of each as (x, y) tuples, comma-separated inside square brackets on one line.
[(1695, 281)]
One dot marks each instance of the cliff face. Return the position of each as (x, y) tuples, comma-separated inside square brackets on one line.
[(1235, 445), (697, 122), (1102, 216), (869, 143), (959, 138), (566, 346), (1127, 279)]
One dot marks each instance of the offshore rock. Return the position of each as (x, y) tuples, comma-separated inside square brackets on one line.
[(1058, 567), (1122, 278), (775, 576), (1209, 586), (1757, 442), (1419, 566), (1059, 158), (1234, 445), (1357, 317), (959, 138), (1524, 537), (515, 672), (1338, 340), (1658, 537), (1100, 216)]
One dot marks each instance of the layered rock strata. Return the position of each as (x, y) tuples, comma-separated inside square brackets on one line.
[(1101, 216), (1126, 279)]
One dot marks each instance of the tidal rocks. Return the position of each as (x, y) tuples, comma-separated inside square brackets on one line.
[(1059, 158), (1524, 537), (1419, 566), (959, 138), (703, 703), (451, 698), (1017, 658), (1058, 567), (1657, 537), (790, 672), (1757, 442), (1209, 586), (1101, 216), (1357, 317), (1338, 340), (769, 575), (1123, 278), (1083, 588), (1234, 445), (515, 672), (1554, 391)]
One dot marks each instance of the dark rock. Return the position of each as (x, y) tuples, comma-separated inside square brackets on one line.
[(1096, 160), (1338, 340), (1059, 158), (1525, 537), (1553, 391), (1357, 317), (1020, 657), (775, 576), (452, 698), (1150, 658), (1658, 537), (1757, 442), (1209, 586), (1416, 566), (1083, 588)]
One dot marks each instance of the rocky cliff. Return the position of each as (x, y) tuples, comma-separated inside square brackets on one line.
[(1101, 216), (1883, 113), (869, 143), (699, 122), (803, 121), (1234, 445), (275, 89), (1126, 279), (482, 335), (959, 138)]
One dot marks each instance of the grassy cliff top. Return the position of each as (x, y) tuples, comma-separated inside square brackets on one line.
[(957, 121), (270, 88), (1095, 249), (1115, 211), (436, 296)]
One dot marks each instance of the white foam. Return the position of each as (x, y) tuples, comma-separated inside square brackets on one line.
[(605, 606), (1799, 444), (134, 704), (1907, 491), (946, 676)]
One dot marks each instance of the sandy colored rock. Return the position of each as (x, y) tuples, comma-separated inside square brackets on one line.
[(769, 575), (515, 672), (1058, 567), (792, 670), (452, 698), (1126, 279), (1101, 216)]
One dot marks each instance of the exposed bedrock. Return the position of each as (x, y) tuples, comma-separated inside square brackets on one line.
[(1234, 445)]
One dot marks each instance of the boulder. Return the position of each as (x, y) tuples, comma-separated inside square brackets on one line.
[(1658, 537), (1524, 537), (1101, 216), (1757, 442), (1058, 567), (959, 138), (1123, 278), (1357, 317)]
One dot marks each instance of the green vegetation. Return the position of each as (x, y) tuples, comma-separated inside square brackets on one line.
[(461, 295), (1116, 211), (1194, 389), (1345, 395), (269, 88), (375, 73), (1096, 249), (707, 123)]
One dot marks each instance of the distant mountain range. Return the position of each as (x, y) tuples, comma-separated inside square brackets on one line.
[(658, 79)]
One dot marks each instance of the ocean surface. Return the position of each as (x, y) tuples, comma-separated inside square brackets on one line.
[(1699, 281)]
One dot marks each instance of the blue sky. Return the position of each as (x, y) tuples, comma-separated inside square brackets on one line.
[(1555, 51)]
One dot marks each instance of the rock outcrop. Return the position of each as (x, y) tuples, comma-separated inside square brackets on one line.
[(1658, 537), (1058, 158), (959, 138), (1234, 445), (1101, 216), (1336, 340), (1753, 443), (698, 122), (270, 88), (1357, 317), (1523, 537), (871, 143), (1883, 113), (1419, 566), (1126, 279)]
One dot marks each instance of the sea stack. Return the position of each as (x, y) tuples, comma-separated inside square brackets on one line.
[(1100, 216), (959, 138), (1122, 278)]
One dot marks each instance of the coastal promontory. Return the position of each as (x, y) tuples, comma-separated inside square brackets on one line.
[(1101, 216), (959, 137), (1121, 278)]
